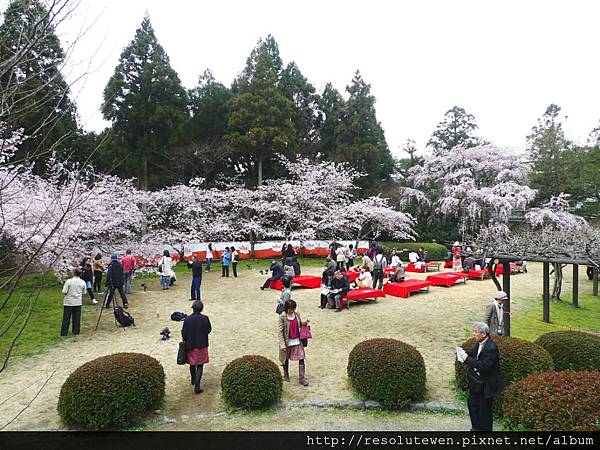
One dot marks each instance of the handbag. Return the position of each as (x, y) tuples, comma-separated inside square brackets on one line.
[(181, 354), (305, 332), (279, 308), (475, 381)]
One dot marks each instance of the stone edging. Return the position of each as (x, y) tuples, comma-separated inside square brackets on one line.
[(342, 404)]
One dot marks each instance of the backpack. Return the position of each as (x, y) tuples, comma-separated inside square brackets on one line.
[(178, 316), (160, 266), (236, 257), (378, 263), (123, 317)]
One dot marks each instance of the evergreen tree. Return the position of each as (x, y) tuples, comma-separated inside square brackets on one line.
[(331, 105), (360, 139), (209, 103), (147, 105), (548, 149), (456, 128), (260, 123), (33, 93), (404, 165), (306, 102)]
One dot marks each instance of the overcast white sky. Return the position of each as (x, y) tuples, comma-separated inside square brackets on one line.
[(503, 61)]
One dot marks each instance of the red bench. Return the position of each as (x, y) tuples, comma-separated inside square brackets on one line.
[(405, 288), (351, 274), (478, 274), (513, 269), (434, 266), (362, 294), (446, 278), (307, 281)]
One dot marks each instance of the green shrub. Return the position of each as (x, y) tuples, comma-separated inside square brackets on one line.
[(549, 401), (111, 390), (251, 381), (436, 252), (572, 349), (387, 370)]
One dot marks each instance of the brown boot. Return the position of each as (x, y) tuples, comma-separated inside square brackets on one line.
[(286, 372), (302, 374)]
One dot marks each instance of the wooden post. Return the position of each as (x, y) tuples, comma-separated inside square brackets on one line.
[(595, 286), (506, 288), (575, 286), (546, 294)]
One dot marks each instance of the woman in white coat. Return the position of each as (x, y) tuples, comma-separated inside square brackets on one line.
[(165, 270)]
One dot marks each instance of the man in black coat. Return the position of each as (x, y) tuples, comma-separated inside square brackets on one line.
[(277, 273), (483, 377), (114, 281)]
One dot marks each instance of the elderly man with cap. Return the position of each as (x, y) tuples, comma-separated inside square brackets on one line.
[(494, 312), (338, 289), (277, 274)]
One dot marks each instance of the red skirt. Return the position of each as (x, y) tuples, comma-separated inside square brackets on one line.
[(197, 356)]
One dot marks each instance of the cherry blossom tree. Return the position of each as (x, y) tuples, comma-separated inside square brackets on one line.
[(478, 186)]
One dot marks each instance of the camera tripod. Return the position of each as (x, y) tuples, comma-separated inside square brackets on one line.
[(114, 303)]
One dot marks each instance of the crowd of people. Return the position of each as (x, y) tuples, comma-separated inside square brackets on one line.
[(335, 286)]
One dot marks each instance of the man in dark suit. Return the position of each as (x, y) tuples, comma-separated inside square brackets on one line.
[(484, 364)]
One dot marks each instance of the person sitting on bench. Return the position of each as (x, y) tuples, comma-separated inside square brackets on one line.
[(398, 275), (338, 288), (277, 274), (364, 280)]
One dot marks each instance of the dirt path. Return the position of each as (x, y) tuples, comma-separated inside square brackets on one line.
[(244, 322)]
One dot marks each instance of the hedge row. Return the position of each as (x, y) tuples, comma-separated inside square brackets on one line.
[(572, 349), (436, 252), (554, 401)]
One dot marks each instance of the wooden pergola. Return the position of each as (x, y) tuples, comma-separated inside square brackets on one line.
[(505, 260)]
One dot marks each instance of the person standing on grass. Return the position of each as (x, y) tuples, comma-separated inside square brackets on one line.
[(290, 347), (340, 258), (114, 281), (98, 271), (128, 262), (165, 270), (195, 331), (483, 377), (87, 277), (494, 313), (235, 257), (209, 257), (225, 261), (73, 290), (196, 267)]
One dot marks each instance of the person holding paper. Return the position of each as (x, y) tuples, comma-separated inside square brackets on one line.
[(483, 377)]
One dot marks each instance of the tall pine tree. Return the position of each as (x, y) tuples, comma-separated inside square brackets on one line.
[(33, 93), (360, 139), (548, 150), (456, 128), (331, 105), (306, 104), (261, 118), (147, 106)]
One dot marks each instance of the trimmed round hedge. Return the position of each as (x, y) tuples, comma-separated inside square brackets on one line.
[(387, 370), (251, 381), (572, 349), (554, 401), (111, 390), (518, 359)]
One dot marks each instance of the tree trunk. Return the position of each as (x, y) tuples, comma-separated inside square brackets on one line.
[(491, 267), (557, 284), (260, 167)]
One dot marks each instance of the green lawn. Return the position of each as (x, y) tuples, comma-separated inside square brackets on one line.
[(528, 324)]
